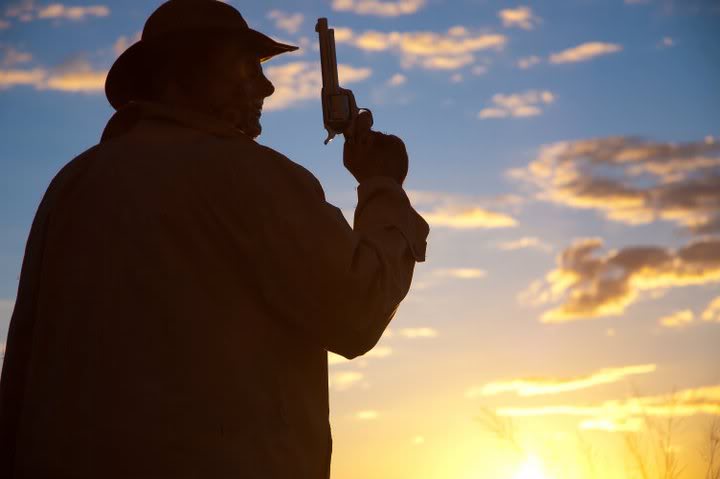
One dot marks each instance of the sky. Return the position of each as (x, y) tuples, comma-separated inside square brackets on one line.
[(566, 153)]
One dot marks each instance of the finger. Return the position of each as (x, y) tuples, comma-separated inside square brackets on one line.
[(363, 123)]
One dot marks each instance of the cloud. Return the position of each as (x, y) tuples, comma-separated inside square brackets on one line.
[(528, 62), (667, 42), (430, 50), (74, 76), (397, 79), (517, 105), (28, 10), (618, 415), (414, 333), (584, 52), (591, 285), (366, 415), (12, 56), (460, 273), (712, 311), (524, 243), (297, 82), (479, 70), (520, 17), (387, 8), (445, 210), (632, 180), (678, 319), (344, 380), (124, 42), (288, 22), (542, 386), (58, 10), (468, 218), (4, 24)]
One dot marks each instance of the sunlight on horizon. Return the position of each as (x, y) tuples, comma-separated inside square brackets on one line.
[(532, 468)]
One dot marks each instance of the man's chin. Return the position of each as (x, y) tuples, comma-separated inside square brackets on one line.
[(251, 128)]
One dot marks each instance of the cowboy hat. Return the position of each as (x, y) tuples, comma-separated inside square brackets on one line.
[(181, 19)]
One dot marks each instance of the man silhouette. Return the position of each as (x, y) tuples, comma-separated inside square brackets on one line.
[(182, 283)]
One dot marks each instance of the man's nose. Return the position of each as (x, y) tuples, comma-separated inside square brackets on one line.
[(267, 88)]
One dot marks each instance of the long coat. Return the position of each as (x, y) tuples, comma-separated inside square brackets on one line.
[(181, 287)]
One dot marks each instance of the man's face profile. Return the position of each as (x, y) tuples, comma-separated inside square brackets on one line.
[(237, 88)]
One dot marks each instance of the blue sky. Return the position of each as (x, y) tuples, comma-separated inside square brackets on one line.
[(548, 141)]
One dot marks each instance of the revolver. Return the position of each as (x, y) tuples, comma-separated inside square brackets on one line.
[(338, 104)]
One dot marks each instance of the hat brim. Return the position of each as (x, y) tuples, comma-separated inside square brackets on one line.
[(127, 78)]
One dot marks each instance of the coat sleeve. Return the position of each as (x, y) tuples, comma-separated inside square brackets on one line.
[(340, 286)]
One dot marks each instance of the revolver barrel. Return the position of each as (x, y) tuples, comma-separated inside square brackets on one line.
[(338, 104)]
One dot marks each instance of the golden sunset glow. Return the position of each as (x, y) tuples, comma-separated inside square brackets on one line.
[(566, 155)]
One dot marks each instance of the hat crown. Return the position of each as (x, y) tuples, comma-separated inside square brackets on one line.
[(182, 15)]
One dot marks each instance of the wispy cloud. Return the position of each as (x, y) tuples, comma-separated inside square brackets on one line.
[(712, 311), (678, 319), (413, 333), (459, 217), (589, 285), (460, 273), (619, 415), (28, 10), (585, 52), (551, 385), (517, 105), (528, 62), (58, 10), (11, 56), (288, 22), (367, 415), (430, 50), (526, 242), (74, 76), (380, 8), (397, 80), (631, 180), (344, 380), (520, 17), (123, 43), (300, 81), (446, 210)]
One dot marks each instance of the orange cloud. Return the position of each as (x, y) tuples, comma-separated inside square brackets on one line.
[(584, 52), (429, 50), (520, 17), (541, 386), (589, 285), (77, 76), (678, 319), (617, 415), (712, 311), (632, 181), (455, 211)]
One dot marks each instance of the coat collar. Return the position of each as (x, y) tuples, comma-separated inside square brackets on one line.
[(126, 118)]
